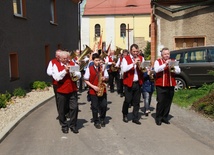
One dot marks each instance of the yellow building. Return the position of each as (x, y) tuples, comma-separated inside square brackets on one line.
[(118, 23)]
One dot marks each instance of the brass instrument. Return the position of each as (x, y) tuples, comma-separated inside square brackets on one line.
[(73, 54), (151, 74), (117, 52), (101, 84), (172, 64), (103, 55), (84, 53)]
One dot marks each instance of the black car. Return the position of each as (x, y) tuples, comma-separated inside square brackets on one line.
[(195, 64)]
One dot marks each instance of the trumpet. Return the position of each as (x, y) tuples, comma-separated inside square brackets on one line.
[(172, 64)]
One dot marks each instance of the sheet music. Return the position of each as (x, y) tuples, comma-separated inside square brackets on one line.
[(145, 64), (173, 63), (74, 69)]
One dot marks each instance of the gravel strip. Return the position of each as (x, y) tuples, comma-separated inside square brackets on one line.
[(18, 107)]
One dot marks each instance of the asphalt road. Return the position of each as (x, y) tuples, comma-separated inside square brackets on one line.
[(40, 133)]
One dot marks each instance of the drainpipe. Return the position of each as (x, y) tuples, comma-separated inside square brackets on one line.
[(79, 23)]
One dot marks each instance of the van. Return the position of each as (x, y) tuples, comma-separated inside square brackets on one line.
[(195, 64)]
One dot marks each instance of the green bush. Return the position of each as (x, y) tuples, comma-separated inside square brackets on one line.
[(19, 92), (39, 85), (4, 98)]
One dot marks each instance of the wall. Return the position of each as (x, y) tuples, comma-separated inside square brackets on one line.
[(29, 36), (197, 21)]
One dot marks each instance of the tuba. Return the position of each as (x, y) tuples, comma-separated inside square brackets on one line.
[(84, 53)]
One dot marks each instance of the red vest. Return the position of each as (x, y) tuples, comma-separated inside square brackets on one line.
[(93, 79), (129, 75), (110, 60), (66, 85), (54, 61), (165, 78)]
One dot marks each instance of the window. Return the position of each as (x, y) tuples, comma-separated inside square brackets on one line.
[(123, 30), (47, 54), (13, 64), (187, 42), (19, 8), (196, 56), (53, 12), (97, 30)]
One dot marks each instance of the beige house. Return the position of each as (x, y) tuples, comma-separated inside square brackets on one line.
[(178, 24), (119, 23)]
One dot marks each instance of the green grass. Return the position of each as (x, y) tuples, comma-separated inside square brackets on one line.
[(200, 99), (186, 97)]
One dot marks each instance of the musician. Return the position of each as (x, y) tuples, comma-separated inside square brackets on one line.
[(113, 74), (132, 80), (50, 72), (118, 65), (66, 93), (165, 83), (94, 76)]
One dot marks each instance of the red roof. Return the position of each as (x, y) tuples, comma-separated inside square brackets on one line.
[(117, 7)]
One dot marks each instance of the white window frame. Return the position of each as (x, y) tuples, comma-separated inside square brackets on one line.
[(17, 7)]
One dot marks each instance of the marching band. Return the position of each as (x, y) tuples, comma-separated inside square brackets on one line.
[(126, 69)]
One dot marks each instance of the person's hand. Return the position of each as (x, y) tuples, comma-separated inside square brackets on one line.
[(137, 60)]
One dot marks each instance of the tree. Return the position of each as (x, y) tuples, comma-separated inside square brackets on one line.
[(147, 51)]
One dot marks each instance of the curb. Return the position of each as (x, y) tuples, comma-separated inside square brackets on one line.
[(9, 128)]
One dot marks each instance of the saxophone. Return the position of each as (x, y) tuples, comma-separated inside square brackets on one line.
[(101, 84)]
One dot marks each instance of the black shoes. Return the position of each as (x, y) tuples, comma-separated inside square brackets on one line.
[(97, 125), (165, 121), (158, 122), (74, 130), (146, 114), (65, 130), (125, 119), (136, 122), (103, 124)]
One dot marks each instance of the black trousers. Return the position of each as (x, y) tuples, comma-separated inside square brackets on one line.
[(120, 86), (113, 76), (98, 106), (55, 93), (164, 101), (132, 96), (67, 103)]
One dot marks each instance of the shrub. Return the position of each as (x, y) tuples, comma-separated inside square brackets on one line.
[(19, 92), (39, 85), (4, 98)]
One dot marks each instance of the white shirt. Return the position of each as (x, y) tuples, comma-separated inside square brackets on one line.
[(125, 67), (59, 75), (159, 68), (87, 73), (50, 68)]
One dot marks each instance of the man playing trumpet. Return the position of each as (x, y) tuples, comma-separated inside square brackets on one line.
[(165, 83), (66, 92), (132, 80)]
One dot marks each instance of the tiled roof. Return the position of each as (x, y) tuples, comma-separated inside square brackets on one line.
[(117, 7)]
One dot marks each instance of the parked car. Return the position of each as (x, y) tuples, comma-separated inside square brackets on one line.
[(195, 64)]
